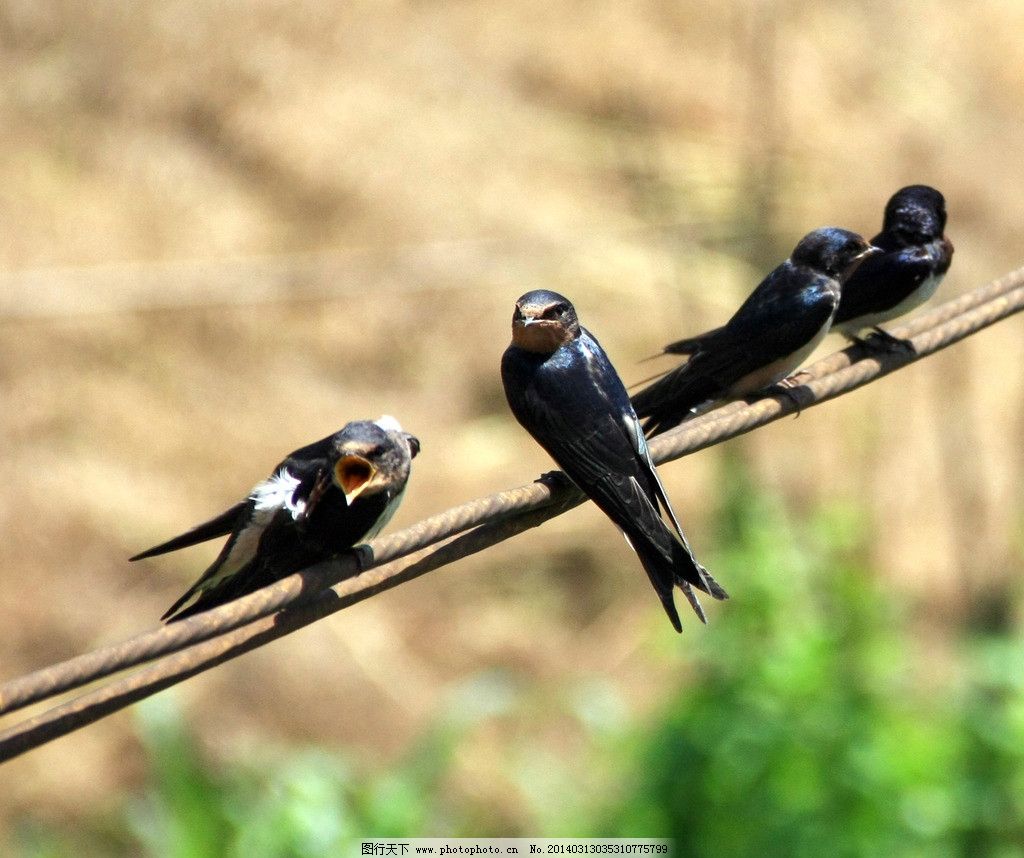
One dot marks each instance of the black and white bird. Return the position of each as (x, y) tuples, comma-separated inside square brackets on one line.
[(916, 257), (323, 499), (564, 391), (770, 335)]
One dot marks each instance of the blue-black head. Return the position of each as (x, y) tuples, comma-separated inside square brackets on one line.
[(916, 214), (544, 321), (832, 251)]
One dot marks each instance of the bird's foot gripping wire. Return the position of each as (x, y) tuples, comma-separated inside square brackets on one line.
[(881, 341), (555, 480), (364, 557), (789, 388), (884, 341)]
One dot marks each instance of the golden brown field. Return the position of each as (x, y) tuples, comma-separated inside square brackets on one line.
[(230, 228)]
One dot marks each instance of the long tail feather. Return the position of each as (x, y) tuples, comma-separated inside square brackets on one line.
[(222, 525)]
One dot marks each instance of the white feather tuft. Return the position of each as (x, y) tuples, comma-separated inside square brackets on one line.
[(277, 492), (388, 423)]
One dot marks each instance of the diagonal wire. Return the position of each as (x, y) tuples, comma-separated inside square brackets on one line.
[(83, 669), (208, 639), (202, 656)]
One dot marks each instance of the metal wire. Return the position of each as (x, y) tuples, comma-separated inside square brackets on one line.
[(205, 640), (86, 668)]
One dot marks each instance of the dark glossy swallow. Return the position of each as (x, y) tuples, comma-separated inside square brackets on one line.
[(562, 388), (916, 258), (320, 501), (770, 335)]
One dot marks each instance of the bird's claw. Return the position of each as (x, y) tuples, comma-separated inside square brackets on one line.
[(555, 480), (882, 341), (789, 387), (364, 557), (795, 380)]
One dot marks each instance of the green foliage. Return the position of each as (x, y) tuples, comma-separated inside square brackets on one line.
[(286, 802), (282, 802), (178, 819), (806, 731)]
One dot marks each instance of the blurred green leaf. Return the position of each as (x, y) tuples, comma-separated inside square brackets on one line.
[(805, 732)]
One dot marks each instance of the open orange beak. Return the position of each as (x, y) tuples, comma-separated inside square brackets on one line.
[(352, 474)]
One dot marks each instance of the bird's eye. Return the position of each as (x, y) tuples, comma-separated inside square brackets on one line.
[(554, 311)]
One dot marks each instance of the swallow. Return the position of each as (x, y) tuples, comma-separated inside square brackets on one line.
[(916, 257), (320, 501), (563, 390), (771, 334)]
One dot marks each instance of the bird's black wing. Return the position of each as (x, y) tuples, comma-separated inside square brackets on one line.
[(602, 463), (273, 514), (219, 526), (313, 454), (772, 324), (784, 313), (231, 574), (227, 520), (659, 497), (691, 345), (741, 354), (584, 437)]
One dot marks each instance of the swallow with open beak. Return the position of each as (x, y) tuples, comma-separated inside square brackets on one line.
[(323, 499), (564, 391), (916, 257), (769, 336)]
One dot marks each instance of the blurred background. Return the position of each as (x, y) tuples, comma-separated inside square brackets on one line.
[(231, 228)]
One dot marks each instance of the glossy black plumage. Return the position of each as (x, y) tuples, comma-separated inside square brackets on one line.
[(916, 257), (564, 391), (769, 336), (321, 500)]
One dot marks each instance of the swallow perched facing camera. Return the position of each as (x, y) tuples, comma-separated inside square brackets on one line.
[(916, 258), (321, 500), (564, 391), (770, 335)]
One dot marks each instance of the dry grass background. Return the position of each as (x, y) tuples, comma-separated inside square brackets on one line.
[(230, 228)]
